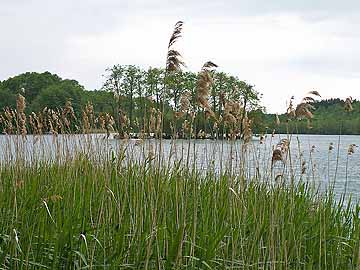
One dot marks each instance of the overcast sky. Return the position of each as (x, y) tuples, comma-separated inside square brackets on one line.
[(283, 47)]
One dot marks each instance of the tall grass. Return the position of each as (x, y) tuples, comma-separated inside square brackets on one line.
[(88, 215)]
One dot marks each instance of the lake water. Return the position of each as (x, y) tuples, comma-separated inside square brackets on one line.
[(311, 160)]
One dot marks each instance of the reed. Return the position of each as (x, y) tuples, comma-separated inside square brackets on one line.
[(116, 214)]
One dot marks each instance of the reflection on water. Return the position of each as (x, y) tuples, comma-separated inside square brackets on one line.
[(310, 159)]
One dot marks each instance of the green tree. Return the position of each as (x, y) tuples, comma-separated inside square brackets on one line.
[(55, 96), (32, 83)]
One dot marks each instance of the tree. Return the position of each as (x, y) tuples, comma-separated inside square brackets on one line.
[(102, 101), (113, 83), (154, 78), (56, 95), (32, 82), (129, 84), (7, 99)]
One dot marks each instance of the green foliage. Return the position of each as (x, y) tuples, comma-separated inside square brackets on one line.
[(7, 99), (129, 91), (56, 95), (134, 88), (102, 101), (330, 118), (33, 83), (129, 83)]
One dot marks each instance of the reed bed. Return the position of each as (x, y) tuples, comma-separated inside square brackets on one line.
[(94, 204), (88, 215)]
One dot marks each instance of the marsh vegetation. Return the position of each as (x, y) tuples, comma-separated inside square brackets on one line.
[(106, 201)]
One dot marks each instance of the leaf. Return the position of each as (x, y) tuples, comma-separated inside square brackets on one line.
[(81, 256)]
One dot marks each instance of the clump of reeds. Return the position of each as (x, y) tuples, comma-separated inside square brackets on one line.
[(35, 122), (7, 119), (236, 118), (232, 112), (106, 122), (88, 117)]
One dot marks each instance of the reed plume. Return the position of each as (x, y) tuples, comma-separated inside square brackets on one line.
[(33, 125), (351, 149), (247, 132), (8, 119), (69, 110), (108, 123), (304, 109), (123, 119), (303, 167), (86, 122), (101, 121), (52, 130), (158, 122), (44, 117), (88, 118), (201, 134), (68, 114), (173, 59), (291, 110), (152, 120), (232, 112), (203, 87), (229, 118), (184, 104), (277, 120), (186, 126), (54, 122), (21, 117), (348, 104), (280, 151)]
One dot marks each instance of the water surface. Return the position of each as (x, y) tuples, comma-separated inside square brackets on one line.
[(311, 160)]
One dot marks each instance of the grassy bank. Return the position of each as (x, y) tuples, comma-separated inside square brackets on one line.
[(87, 215)]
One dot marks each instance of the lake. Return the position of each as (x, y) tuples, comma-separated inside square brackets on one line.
[(311, 160)]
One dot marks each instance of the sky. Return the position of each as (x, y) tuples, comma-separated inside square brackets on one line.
[(285, 48)]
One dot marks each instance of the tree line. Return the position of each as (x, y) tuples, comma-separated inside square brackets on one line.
[(131, 92), (330, 118), (135, 92)]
